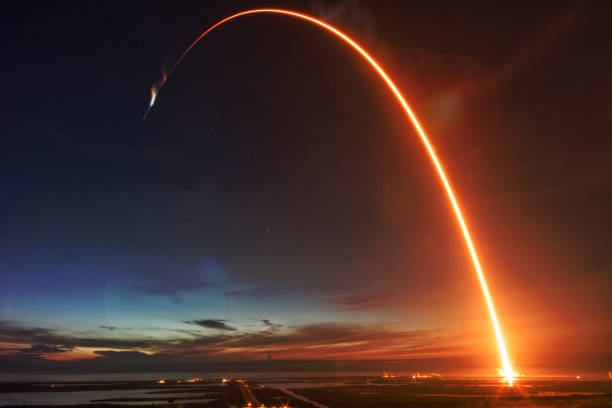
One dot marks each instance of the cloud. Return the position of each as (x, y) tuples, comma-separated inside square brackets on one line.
[(239, 292), (360, 302), (12, 333), (40, 349), (258, 293), (325, 346), (212, 324), (173, 279), (272, 326), (330, 340), (121, 354), (172, 289)]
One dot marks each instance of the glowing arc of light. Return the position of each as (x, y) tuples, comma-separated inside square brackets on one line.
[(507, 370)]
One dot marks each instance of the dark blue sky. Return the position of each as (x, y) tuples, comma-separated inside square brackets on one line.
[(276, 202)]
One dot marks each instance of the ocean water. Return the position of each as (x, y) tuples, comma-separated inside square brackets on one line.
[(85, 397)]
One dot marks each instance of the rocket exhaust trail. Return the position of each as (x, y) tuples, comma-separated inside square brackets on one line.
[(156, 87), (506, 370)]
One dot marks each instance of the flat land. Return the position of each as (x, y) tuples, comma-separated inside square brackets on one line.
[(310, 392)]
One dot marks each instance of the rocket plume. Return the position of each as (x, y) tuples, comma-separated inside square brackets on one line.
[(506, 370), (155, 90)]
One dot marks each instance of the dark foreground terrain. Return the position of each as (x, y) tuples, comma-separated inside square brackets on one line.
[(320, 392), (446, 393)]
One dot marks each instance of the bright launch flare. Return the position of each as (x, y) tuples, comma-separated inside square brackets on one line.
[(506, 370), (155, 90)]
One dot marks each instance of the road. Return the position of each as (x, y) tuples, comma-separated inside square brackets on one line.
[(247, 395)]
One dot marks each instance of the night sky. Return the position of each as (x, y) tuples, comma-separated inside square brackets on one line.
[(277, 211)]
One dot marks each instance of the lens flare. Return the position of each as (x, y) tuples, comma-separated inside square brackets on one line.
[(507, 372)]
